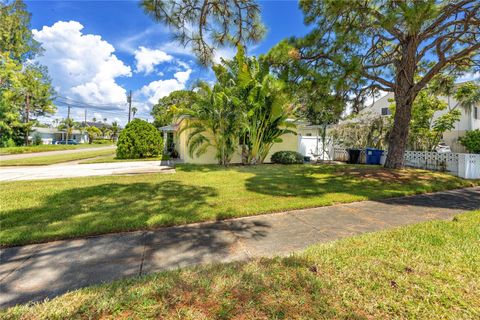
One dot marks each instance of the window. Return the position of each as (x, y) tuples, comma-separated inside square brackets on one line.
[(309, 134), (386, 112), (475, 112)]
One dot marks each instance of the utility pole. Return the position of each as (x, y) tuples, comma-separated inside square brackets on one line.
[(129, 100), (85, 122), (68, 125), (27, 117)]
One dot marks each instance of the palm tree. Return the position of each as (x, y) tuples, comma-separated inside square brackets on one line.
[(115, 129), (105, 120), (68, 125), (93, 132), (134, 111), (215, 114), (94, 119)]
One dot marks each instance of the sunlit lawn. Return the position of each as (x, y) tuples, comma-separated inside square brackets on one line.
[(425, 271), (53, 159), (47, 147), (34, 211), (113, 158)]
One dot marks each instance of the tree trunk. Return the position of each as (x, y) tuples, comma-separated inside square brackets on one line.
[(404, 96), (397, 140)]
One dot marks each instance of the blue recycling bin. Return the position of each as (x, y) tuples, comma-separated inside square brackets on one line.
[(373, 155)]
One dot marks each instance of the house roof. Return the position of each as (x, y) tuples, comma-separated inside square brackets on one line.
[(52, 130)]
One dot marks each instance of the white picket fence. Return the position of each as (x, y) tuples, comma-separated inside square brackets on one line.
[(463, 165)]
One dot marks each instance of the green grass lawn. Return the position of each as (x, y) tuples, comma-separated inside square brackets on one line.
[(58, 158), (112, 158), (47, 147), (424, 271), (34, 211)]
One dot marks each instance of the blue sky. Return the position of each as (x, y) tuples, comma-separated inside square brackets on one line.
[(98, 50)]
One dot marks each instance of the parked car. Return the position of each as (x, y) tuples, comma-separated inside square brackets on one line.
[(70, 141), (443, 148)]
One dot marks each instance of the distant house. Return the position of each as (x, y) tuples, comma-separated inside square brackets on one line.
[(305, 141), (53, 135), (470, 120)]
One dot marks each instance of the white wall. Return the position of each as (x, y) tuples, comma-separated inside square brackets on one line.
[(466, 122)]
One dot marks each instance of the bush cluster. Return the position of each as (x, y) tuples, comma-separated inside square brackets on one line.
[(139, 139), (471, 141), (287, 157)]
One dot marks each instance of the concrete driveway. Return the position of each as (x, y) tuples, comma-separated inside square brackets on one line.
[(38, 271), (51, 153), (73, 170)]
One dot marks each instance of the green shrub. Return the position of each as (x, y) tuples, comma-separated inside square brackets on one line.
[(37, 140), (102, 141), (139, 139), (471, 141), (287, 157)]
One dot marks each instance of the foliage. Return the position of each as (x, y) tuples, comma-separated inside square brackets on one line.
[(167, 108), (139, 139), (216, 123), (15, 35), (426, 129), (471, 141), (266, 104), (204, 24), (102, 141), (247, 104), (115, 129), (287, 157), (25, 88), (365, 130), (467, 95), (93, 132), (390, 45), (68, 125), (37, 140)]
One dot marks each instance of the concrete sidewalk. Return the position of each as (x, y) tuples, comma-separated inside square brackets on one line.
[(51, 153), (75, 170), (35, 272)]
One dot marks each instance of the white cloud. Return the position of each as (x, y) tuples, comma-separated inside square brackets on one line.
[(147, 59), (161, 88), (469, 76), (225, 53), (82, 66), (97, 116)]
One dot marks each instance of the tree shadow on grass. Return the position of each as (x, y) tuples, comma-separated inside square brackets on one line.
[(45, 270), (362, 182), (107, 208)]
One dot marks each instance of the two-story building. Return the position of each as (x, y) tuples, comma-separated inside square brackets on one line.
[(469, 120)]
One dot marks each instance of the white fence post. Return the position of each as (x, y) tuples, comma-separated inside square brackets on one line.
[(469, 166), (463, 165)]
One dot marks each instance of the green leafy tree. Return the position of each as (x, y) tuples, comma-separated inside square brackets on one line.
[(139, 139), (206, 24), (426, 129), (471, 141), (362, 130), (16, 39), (396, 46), (167, 108), (26, 91)]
